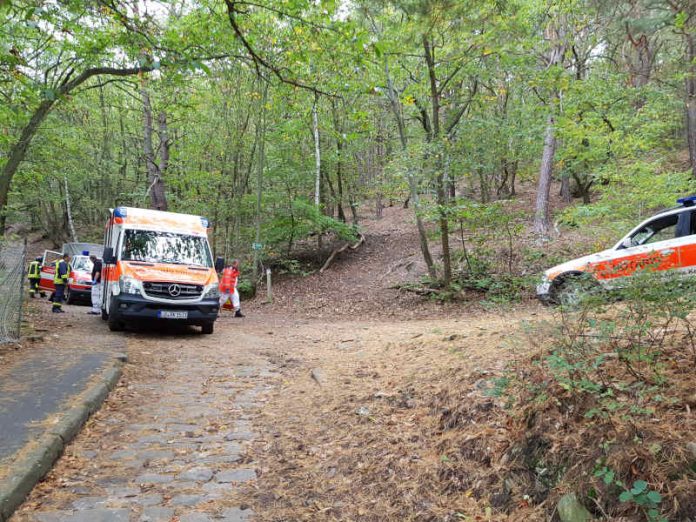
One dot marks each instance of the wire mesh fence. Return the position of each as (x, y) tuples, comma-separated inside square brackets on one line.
[(12, 260)]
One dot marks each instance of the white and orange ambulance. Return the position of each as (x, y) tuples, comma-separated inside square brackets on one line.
[(158, 266), (665, 242)]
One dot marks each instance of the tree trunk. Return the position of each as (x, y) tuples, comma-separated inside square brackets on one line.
[(441, 189), (261, 163), (412, 184), (542, 224), (554, 32), (154, 178), (339, 164), (68, 211), (566, 193), (317, 151), (691, 101)]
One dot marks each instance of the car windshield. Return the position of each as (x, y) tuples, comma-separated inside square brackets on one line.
[(165, 247), (659, 229), (82, 263)]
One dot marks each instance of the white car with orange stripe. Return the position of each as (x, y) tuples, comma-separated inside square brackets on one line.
[(158, 267), (666, 241)]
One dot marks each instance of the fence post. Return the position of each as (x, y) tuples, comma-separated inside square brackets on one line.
[(269, 291), (23, 272)]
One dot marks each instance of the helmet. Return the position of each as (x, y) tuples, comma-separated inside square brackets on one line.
[(39, 259)]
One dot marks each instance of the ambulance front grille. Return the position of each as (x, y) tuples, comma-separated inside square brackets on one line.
[(167, 290)]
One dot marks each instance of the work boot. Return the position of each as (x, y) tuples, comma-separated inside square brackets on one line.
[(238, 313)]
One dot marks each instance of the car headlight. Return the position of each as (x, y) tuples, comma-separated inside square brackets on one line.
[(129, 285), (212, 291)]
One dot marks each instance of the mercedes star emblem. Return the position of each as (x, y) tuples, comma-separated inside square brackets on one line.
[(174, 290)]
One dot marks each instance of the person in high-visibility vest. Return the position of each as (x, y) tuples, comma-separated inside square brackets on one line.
[(60, 279), (228, 287), (34, 276)]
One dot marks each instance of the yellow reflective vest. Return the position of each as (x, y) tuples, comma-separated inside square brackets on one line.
[(34, 270), (62, 279)]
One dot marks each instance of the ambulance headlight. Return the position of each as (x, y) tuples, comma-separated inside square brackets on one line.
[(129, 285), (212, 291)]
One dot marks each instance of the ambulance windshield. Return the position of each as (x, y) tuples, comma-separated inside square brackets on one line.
[(165, 247)]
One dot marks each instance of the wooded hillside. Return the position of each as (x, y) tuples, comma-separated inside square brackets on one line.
[(279, 120)]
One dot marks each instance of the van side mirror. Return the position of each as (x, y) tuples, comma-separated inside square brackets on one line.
[(109, 258), (627, 243), (219, 264)]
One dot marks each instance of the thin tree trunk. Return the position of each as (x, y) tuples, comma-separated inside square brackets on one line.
[(154, 177), (260, 165), (317, 151), (555, 32), (412, 184), (566, 193), (68, 210), (542, 224), (441, 189), (691, 101)]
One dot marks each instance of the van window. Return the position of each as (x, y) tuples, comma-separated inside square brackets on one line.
[(660, 229), (165, 247)]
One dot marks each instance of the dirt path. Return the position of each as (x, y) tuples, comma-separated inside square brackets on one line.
[(233, 426)]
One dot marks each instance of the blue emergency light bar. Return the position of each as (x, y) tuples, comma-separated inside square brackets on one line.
[(688, 201), (205, 222), (120, 212), (85, 252)]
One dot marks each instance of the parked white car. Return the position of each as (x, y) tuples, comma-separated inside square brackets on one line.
[(666, 241)]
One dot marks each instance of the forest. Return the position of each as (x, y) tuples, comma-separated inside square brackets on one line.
[(281, 121)]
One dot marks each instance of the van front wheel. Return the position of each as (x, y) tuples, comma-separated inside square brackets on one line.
[(207, 328), (115, 324)]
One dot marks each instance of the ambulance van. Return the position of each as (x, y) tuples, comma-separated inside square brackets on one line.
[(158, 267)]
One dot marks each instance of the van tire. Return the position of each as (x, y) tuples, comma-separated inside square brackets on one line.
[(115, 324), (104, 315), (207, 328)]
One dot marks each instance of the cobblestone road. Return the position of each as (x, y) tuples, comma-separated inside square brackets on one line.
[(169, 444)]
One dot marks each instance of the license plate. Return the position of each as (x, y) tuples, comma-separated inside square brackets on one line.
[(168, 314)]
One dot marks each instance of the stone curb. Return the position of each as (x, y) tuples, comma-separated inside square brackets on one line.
[(31, 467)]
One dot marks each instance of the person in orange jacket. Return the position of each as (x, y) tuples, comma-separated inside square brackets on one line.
[(228, 287)]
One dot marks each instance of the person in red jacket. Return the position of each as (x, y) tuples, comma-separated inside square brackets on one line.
[(228, 287)]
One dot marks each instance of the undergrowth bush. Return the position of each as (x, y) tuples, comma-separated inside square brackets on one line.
[(603, 407)]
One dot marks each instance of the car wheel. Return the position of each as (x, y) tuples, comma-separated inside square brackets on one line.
[(574, 289), (69, 297), (115, 323), (207, 328)]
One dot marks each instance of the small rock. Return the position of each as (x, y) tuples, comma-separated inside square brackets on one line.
[(571, 510), (152, 478), (691, 446), (88, 503), (237, 515), (197, 474), (235, 475), (187, 500), (194, 517), (157, 514), (319, 376), (363, 411)]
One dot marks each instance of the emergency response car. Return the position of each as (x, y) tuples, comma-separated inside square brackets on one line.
[(79, 285), (664, 242), (158, 266)]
